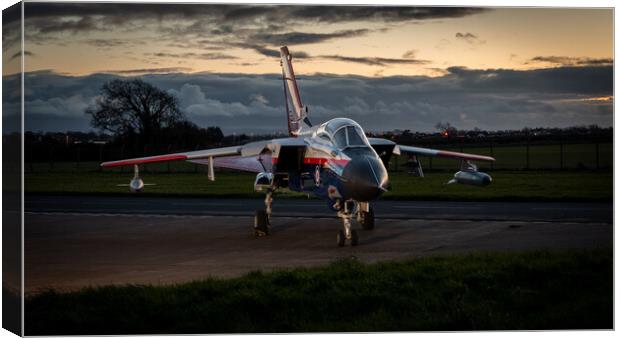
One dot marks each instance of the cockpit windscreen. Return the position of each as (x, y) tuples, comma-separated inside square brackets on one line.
[(349, 136), (340, 138), (354, 137)]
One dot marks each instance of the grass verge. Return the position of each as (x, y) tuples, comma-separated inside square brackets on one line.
[(506, 186), (539, 290)]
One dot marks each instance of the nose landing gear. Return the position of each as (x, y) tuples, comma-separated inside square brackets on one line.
[(262, 217), (346, 213)]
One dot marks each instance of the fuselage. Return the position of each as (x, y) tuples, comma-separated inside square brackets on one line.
[(339, 164)]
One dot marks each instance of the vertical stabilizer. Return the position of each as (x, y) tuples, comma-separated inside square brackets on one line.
[(298, 115)]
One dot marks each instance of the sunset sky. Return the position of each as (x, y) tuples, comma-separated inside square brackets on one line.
[(493, 68)]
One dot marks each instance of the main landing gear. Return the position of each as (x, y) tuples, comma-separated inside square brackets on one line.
[(365, 215), (262, 217)]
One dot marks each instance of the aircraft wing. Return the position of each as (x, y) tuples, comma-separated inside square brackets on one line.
[(384, 144), (252, 157), (443, 153), (252, 164), (191, 155)]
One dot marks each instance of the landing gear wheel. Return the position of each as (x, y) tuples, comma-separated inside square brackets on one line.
[(354, 238), (367, 219), (261, 223), (340, 238)]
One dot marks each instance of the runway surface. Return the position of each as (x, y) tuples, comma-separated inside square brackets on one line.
[(579, 212), (72, 242)]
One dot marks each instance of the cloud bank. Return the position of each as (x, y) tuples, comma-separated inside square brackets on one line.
[(467, 98)]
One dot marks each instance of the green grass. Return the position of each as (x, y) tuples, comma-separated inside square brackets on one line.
[(507, 185), (509, 157), (538, 290), (541, 157)]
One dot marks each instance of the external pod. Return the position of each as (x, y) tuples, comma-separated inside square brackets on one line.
[(474, 178), (263, 181), (136, 184)]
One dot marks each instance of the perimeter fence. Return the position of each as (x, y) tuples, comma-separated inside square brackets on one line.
[(560, 156)]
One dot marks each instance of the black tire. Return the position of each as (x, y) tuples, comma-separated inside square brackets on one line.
[(367, 219), (354, 238), (261, 223), (340, 238)]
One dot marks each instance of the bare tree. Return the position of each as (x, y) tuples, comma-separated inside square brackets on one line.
[(134, 106), (446, 129)]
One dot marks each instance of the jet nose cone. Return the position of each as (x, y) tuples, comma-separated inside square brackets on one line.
[(365, 178)]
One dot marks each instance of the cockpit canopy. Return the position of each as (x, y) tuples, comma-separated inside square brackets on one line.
[(344, 133)]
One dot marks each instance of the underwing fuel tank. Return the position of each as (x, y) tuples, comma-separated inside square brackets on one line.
[(136, 184), (475, 178)]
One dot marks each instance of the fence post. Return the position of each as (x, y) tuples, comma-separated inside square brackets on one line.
[(597, 157), (31, 159), (51, 158), (561, 155), (168, 163), (396, 163), (100, 156), (144, 167), (491, 152), (196, 165), (527, 154), (122, 156), (77, 158)]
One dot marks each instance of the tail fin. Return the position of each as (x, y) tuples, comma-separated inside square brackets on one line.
[(299, 114)]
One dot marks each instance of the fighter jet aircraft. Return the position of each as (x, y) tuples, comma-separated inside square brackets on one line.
[(334, 161)]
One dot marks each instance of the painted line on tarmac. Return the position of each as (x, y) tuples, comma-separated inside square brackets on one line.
[(89, 214), (432, 207), (570, 208), (313, 216), (205, 204)]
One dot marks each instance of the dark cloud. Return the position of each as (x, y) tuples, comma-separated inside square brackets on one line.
[(410, 54), (271, 52), (265, 51), (571, 61), (298, 38), (148, 70), (11, 26), (19, 54), (384, 13), (55, 25), (374, 61), (469, 38), (467, 98), (185, 23), (595, 62), (111, 43), (248, 13), (466, 36), (589, 80), (201, 56)]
